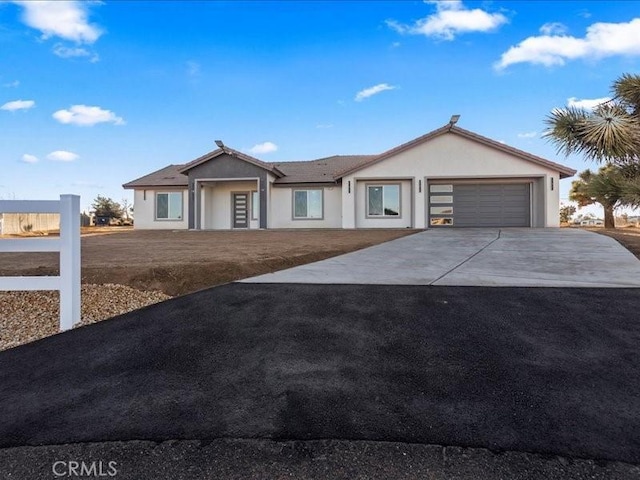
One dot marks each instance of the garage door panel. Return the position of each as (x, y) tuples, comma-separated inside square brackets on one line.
[(491, 205)]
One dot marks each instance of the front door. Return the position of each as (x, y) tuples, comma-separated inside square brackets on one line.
[(240, 210)]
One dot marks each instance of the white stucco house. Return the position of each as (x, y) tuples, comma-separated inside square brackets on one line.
[(448, 178)]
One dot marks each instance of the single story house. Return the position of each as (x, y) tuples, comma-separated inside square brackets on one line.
[(597, 222), (448, 178)]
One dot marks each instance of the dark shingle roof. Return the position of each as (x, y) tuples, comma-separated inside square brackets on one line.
[(318, 171), (330, 169), (165, 177)]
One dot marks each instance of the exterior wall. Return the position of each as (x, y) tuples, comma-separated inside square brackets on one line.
[(553, 200), (144, 202), (226, 166), (216, 204), (405, 220), (453, 157), (281, 208)]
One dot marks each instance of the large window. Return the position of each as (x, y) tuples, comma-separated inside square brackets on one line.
[(255, 205), (383, 200), (169, 206), (307, 204)]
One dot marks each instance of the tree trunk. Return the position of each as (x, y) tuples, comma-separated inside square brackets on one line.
[(609, 218)]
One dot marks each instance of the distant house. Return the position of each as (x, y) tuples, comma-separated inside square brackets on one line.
[(592, 222), (448, 178)]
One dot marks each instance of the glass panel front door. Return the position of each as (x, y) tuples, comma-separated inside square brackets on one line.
[(240, 210)]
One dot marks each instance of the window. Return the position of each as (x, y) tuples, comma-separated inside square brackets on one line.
[(442, 221), (441, 199), (169, 206), (383, 200), (441, 210), (441, 188), (307, 204), (255, 205)]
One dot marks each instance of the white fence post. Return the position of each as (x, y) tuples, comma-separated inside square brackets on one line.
[(69, 261), (68, 282)]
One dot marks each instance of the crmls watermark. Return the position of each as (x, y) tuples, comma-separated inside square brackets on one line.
[(71, 468)]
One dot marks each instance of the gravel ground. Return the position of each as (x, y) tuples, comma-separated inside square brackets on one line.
[(229, 459), (29, 316)]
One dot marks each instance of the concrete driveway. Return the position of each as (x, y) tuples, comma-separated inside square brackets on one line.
[(512, 257)]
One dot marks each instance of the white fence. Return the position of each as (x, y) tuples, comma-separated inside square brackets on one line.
[(68, 282)]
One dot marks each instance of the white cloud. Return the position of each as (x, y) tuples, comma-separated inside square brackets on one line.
[(18, 105), (193, 68), (528, 135), (59, 18), (601, 40), (63, 156), (27, 158), (263, 148), (584, 13), (13, 84), (553, 28), (586, 103), (86, 116), (451, 18), (71, 52), (369, 92)]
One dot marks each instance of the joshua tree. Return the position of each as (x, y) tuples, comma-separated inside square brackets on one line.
[(609, 133), (606, 187)]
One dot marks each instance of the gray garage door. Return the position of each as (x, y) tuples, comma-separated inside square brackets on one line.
[(480, 205)]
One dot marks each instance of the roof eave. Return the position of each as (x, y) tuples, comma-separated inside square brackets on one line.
[(233, 153), (564, 172)]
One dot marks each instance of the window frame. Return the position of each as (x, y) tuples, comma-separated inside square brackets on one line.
[(307, 190), (168, 219), (366, 200)]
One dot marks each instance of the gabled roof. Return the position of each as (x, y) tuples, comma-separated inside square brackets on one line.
[(234, 153), (564, 171), (317, 171), (165, 177), (331, 169)]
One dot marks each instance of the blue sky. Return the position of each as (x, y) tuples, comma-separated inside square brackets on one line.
[(95, 94)]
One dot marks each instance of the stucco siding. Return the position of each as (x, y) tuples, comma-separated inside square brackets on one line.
[(453, 157), (144, 202), (226, 166), (404, 220), (281, 209), (216, 204)]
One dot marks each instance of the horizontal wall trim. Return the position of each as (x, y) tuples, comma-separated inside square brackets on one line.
[(304, 185), (483, 179), (382, 179)]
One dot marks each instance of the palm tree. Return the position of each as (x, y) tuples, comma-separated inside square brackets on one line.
[(606, 187), (610, 133)]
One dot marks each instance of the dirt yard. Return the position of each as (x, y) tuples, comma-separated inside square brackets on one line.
[(179, 262), (628, 237)]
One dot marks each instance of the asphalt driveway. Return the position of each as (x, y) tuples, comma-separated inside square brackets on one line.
[(516, 257), (553, 371)]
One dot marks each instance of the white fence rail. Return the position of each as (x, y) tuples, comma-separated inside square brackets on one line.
[(68, 282)]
